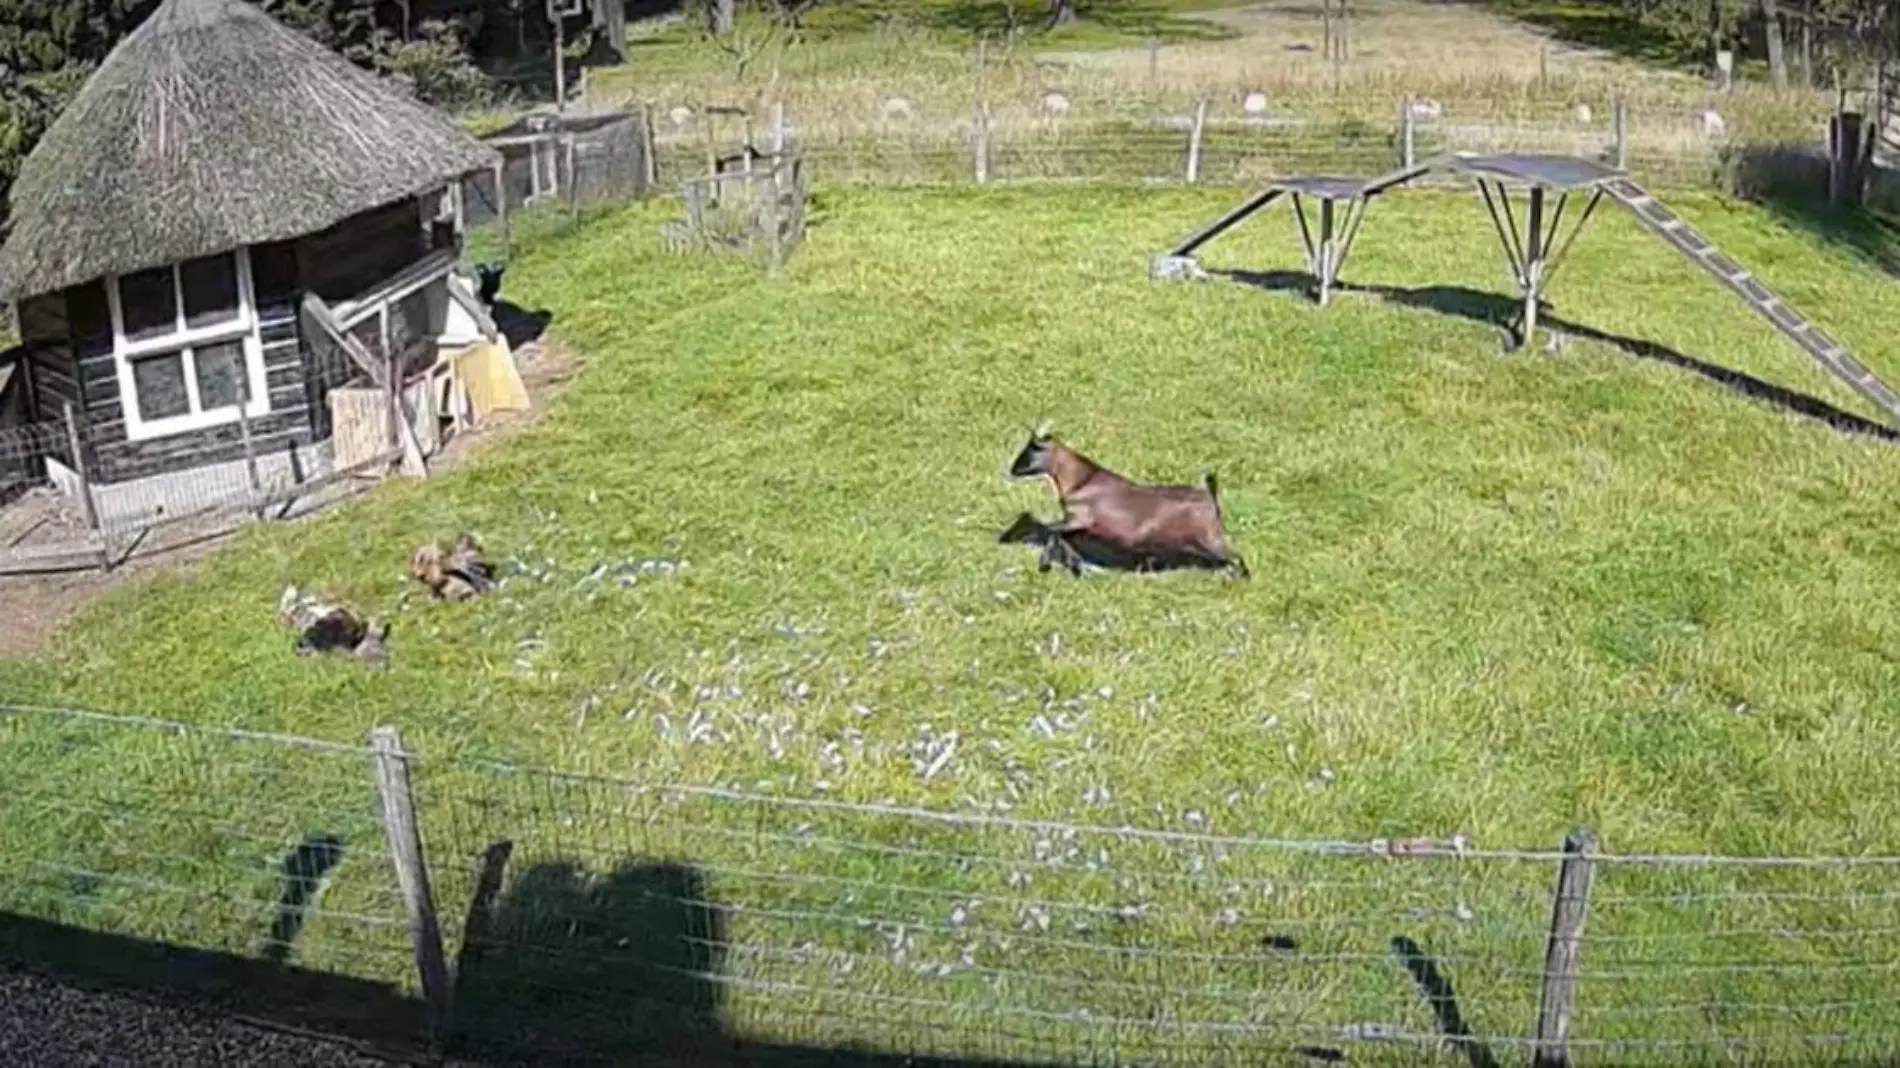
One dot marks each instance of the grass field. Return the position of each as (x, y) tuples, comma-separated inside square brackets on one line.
[(1492, 594)]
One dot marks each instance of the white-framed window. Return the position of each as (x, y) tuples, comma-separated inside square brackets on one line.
[(185, 344)]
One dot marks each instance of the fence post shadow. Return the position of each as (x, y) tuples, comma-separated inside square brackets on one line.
[(301, 872)]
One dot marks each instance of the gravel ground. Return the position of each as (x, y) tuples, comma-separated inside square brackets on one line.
[(45, 1024)]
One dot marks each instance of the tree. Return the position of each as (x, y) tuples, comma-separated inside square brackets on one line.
[(1777, 52), (1061, 11), (719, 17), (47, 48)]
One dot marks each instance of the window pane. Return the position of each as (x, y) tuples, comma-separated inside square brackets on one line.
[(149, 303), (221, 376), (160, 381), (211, 290)]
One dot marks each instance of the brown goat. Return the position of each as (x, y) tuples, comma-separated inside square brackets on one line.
[(1147, 526)]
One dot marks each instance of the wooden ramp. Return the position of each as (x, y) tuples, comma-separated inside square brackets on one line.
[(1827, 352)]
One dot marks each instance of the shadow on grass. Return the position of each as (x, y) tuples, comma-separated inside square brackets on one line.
[(302, 872), (1494, 309), (1790, 183), (559, 966), (1104, 23), (566, 966), (1610, 27), (1087, 550), (1439, 994)]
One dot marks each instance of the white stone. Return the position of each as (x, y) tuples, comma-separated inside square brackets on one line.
[(1584, 114), (1054, 101), (681, 115), (1254, 103), (1426, 108)]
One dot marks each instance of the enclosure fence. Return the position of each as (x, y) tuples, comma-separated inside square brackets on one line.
[(531, 910), (68, 501), (1204, 139)]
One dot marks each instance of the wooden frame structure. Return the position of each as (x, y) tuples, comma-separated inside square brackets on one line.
[(1532, 251)]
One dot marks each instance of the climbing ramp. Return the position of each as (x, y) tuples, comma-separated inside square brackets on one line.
[(1679, 235)]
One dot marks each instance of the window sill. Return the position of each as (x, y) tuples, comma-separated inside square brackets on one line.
[(152, 429)]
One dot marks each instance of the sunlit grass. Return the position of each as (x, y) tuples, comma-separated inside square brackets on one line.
[(1493, 594)]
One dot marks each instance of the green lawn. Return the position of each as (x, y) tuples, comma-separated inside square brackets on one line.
[(1492, 594)]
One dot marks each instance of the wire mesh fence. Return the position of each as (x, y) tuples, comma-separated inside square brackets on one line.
[(1206, 140), (572, 162), (586, 913), (199, 838), (76, 490)]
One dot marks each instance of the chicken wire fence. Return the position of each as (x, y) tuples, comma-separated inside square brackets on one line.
[(62, 509), (571, 162), (1051, 137), (586, 913)]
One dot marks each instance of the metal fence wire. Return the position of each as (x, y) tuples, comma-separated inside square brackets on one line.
[(581, 913), (1050, 137), (253, 845)]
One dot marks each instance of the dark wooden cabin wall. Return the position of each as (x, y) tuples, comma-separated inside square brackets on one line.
[(116, 458), (362, 251), (50, 368), (76, 363)]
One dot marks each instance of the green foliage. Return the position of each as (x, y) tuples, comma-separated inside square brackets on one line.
[(435, 63), (48, 47)]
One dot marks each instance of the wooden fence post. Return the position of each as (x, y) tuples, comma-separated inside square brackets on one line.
[(650, 147), (1619, 131), (778, 128), (1562, 952), (979, 84), (1408, 145), (412, 874), (250, 452), (1195, 134), (775, 237), (501, 206), (573, 181), (85, 487), (1154, 64), (982, 143)]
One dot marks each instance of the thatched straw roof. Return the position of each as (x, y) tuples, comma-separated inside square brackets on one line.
[(209, 127)]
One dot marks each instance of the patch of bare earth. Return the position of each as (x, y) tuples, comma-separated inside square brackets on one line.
[(33, 607)]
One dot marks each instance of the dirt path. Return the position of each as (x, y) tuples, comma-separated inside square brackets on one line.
[(34, 607)]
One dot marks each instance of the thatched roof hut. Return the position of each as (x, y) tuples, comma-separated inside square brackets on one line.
[(211, 127), (170, 231)]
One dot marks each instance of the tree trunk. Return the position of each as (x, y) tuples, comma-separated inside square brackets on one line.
[(1807, 43), (1715, 37), (719, 17), (1777, 55), (1061, 11)]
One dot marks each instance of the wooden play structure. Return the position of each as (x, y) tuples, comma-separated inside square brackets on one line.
[(1549, 184)]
